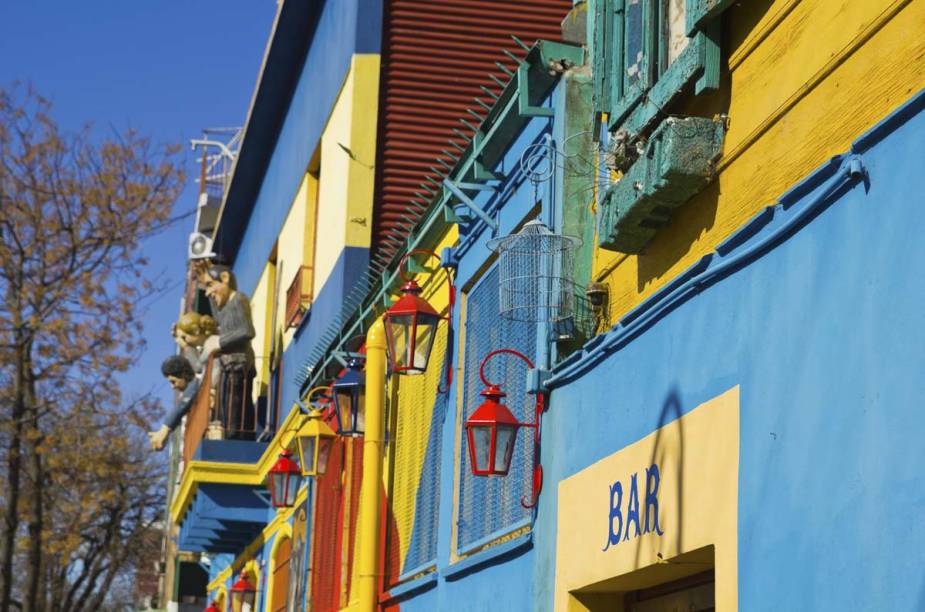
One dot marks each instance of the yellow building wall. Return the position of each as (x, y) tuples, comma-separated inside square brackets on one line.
[(348, 154), (261, 303), (805, 79), (294, 249), (333, 206)]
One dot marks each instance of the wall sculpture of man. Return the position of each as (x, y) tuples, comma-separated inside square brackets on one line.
[(179, 373), (233, 351)]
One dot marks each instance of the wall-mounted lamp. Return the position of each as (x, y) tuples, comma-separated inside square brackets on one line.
[(283, 480), (243, 592), (350, 400), (411, 325), (314, 439), (492, 431)]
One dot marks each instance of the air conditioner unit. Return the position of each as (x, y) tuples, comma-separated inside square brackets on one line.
[(200, 246)]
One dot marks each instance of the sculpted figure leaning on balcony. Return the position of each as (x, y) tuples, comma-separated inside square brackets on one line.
[(191, 333), (232, 348), (179, 373)]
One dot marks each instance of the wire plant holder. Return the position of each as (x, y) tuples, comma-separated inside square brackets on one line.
[(535, 266)]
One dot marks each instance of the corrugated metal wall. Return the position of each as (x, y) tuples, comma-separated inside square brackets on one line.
[(327, 534), (436, 57), (352, 511)]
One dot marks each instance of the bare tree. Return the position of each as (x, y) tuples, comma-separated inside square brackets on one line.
[(73, 211)]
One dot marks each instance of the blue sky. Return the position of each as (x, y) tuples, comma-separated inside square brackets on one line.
[(167, 68)]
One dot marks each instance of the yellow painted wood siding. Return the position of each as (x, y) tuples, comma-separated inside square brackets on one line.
[(806, 78)]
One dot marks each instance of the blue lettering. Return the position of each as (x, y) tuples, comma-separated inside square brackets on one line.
[(652, 479), (632, 509), (616, 500)]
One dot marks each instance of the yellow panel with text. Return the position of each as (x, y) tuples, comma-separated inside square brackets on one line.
[(651, 512)]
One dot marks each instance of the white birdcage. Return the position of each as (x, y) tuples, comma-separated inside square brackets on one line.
[(535, 269)]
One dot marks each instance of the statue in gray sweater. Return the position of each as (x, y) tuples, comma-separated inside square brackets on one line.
[(233, 353)]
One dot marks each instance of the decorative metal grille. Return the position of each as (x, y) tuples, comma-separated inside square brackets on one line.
[(536, 280), (415, 490), (490, 507)]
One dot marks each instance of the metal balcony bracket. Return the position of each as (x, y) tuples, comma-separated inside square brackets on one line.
[(456, 189), (479, 171), (524, 108)]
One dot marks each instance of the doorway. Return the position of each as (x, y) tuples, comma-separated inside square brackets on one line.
[(686, 583)]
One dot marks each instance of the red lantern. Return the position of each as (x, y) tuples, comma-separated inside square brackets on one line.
[(243, 592), (492, 431), (410, 329), (212, 607), (283, 480)]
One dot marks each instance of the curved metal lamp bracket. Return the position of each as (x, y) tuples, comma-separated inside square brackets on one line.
[(538, 408)]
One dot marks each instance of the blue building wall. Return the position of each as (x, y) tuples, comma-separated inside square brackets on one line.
[(350, 267), (824, 336), (822, 332), (345, 27)]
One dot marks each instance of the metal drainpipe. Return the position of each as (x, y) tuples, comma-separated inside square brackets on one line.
[(373, 443)]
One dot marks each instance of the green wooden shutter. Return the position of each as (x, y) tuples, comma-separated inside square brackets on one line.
[(699, 12)]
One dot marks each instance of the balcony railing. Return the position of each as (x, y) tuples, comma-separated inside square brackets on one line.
[(197, 419), (225, 414), (298, 296)]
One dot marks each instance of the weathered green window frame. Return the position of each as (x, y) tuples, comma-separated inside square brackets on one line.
[(633, 106)]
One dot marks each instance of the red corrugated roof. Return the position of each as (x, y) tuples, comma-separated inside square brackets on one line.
[(436, 56)]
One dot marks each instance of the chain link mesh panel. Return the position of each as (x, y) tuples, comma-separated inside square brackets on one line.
[(490, 506), (414, 497)]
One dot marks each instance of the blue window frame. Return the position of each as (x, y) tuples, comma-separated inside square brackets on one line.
[(490, 507)]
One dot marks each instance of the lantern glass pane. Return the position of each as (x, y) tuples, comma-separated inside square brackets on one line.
[(399, 331), (324, 450), (292, 488), (279, 482), (361, 409), (307, 446), (344, 400), (250, 598), (481, 440), (504, 447), (425, 332)]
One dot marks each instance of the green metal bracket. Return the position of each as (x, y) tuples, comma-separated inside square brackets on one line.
[(468, 203), (344, 357), (524, 108), (700, 12), (414, 267), (386, 292), (451, 216), (479, 171)]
